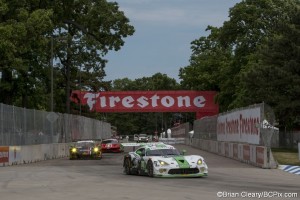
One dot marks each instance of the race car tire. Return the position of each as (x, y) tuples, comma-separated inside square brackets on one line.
[(150, 168), (139, 169), (72, 157), (127, 166), (98, 158)]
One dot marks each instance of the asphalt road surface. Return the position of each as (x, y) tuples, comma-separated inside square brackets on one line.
[(64, 179)]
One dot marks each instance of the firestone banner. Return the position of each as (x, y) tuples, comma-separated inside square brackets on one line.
[(148, 101)]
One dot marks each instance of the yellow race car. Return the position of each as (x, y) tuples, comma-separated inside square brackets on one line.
[(86, 149)]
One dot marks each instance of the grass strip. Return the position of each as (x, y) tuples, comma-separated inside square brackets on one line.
[(286, 156)]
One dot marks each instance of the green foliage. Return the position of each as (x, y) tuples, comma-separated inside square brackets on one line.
[(286, 156), (208, 64), (85, 32), (252, 58), (82, 31), (274, 76), (22, 45)]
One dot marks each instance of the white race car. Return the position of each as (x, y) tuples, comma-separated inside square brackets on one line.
[(162, 160)]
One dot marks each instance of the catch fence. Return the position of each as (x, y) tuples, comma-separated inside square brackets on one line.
[(206, 128), (21, 126)]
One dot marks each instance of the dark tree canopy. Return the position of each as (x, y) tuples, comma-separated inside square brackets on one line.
[(252, 58), (82, 32)]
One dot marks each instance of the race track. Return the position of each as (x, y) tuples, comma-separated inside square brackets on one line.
[(64, 179)]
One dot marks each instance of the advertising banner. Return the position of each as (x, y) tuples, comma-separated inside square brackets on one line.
[(260, 155), (148, 101), (239, 126), (14, 154), (4, 154), (246, 152)]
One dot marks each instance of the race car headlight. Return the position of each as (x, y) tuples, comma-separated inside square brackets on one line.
[(74, 150), (163, 163), (96, 149), (200, 162)]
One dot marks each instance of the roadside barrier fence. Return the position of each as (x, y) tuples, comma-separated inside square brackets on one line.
[(21, 126)]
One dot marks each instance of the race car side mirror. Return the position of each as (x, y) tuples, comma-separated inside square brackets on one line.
[(183, 152)]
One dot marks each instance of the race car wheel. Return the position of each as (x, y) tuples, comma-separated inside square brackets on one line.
[(73, 157), (150, 168), (127, 166), (139, 168)]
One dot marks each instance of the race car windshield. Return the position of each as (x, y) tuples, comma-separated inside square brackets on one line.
[(163, 152), (109, 142), (143, 135), (85, 144)]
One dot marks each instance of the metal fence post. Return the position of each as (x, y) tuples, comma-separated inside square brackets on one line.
[(2, 127), (25, 125), (299, 150)]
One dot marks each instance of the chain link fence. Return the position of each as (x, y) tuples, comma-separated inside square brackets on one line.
[(269, 134), (206, 128), (21, 126)]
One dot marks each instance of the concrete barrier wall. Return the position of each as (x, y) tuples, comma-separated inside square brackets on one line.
[(259, 156), (34, 153), (172, 140)]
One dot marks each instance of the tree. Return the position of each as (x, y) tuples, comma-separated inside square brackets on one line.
[(219, 59), (162, 82), (123, 84), (23, 62), (273, 74), (251, 24), (85, 31), (208, 63)]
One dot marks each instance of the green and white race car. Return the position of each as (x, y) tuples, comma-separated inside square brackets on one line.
[(162, 160)]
